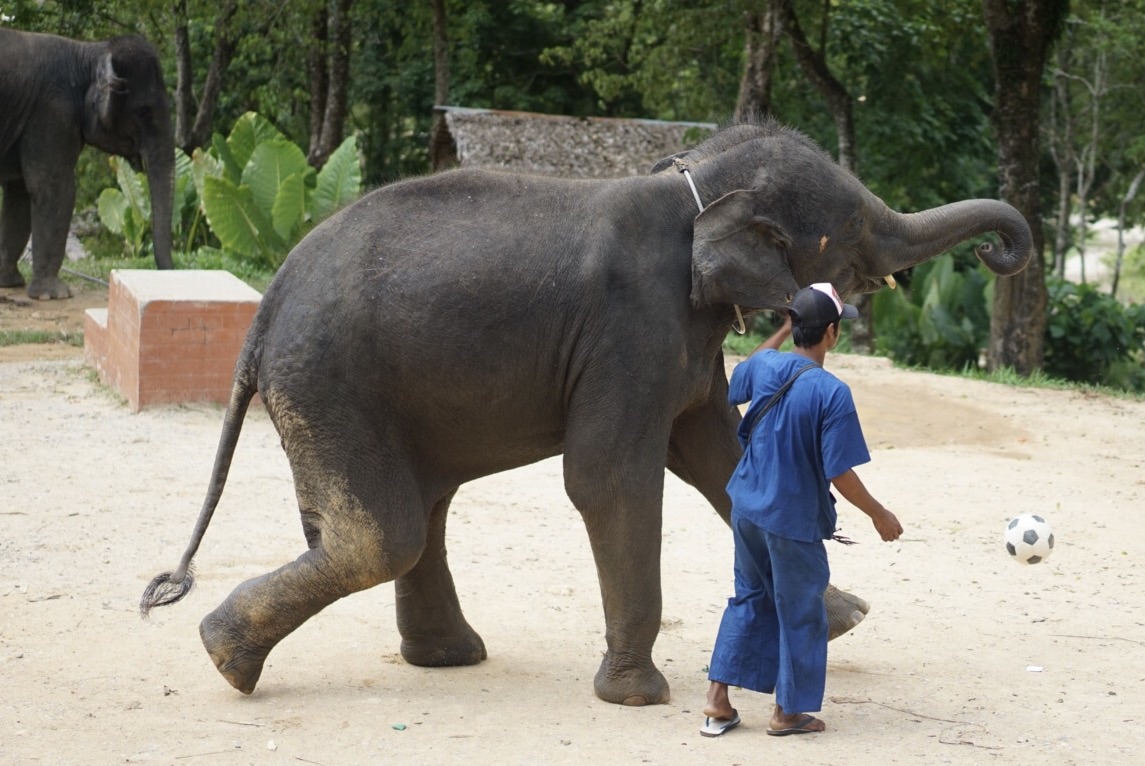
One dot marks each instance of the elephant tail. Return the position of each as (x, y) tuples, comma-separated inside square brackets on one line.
[(170, 587)]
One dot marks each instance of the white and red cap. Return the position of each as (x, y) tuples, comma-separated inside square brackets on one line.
[(819, 305)]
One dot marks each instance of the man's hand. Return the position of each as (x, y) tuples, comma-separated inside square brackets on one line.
[(852, 488), (887, 525)]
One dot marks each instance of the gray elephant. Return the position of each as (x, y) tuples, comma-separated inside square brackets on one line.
[(449, 327), (58, 95)]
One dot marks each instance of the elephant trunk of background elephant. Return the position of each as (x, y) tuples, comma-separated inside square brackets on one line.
[(916, 237), (159, 159)]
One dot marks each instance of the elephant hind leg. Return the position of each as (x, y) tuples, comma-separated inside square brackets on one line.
[(844, 611), (364, 517), (434, 631)]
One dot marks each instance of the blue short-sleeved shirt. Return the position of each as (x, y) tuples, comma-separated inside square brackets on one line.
[(782, 482)]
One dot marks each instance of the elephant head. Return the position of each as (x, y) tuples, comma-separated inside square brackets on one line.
[(127, 113), (784, 215)]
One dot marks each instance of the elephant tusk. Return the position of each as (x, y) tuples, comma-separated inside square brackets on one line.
[(890, 280)]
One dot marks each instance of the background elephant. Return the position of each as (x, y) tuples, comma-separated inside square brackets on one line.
[(57, 95), (449, 327)]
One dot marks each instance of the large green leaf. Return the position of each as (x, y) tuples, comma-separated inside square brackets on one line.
[(238, 222), (134, 186), (112, 207), (289, 206), (249, 131), (271, 163), (339, 181), (206, 165), (185, 197), (229, 166)]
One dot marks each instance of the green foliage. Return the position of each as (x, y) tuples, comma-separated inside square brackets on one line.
[(1092, 338), (1104, 69), (669, 59), (940, 320), (259, 195), (254, 188), (1132, 284), (126, 211)]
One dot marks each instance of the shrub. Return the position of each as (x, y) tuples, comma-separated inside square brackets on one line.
[(1092, 338), (941, 321), (254, 188), (259, 195), (126, 211)]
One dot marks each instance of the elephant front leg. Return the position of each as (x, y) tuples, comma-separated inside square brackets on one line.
[(434, 631), (622, 513), (15, 227), (53, 201)]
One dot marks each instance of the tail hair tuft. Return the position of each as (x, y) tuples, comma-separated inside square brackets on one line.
[(165, 589)]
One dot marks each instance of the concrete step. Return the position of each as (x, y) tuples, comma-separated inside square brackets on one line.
[(169, 337)]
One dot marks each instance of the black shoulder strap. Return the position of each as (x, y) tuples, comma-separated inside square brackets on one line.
[(779, 394)]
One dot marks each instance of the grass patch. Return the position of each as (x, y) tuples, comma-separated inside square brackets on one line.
[(1039, 379), (101, 268), (24, 337)]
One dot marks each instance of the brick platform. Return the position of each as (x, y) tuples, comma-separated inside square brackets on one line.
[(170, 336)]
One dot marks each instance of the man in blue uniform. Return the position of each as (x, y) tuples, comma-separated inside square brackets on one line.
[(773, 636)]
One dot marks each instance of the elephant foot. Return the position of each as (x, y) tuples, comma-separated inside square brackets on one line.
[(48, 288), (444, 651), (11, 277), (636, 686), (239, 661), (844, 611)]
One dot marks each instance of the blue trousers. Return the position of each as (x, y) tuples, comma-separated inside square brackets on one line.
[(773, 635)]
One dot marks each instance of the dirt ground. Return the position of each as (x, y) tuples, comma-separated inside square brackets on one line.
[(966, 657)]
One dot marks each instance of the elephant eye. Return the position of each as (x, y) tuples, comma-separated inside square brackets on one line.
[(144, 114)]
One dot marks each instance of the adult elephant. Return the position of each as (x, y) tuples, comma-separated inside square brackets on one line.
[(58, 95), (449, 327)]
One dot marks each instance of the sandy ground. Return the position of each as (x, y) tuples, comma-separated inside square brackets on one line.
[(966, 657)]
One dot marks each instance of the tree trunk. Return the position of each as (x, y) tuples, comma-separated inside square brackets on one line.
[(225, 43), (1061, 226), (442, 151), (184, 78), (1021, 33), (319, 75), (1134, 185), (1061, 150), (814, 66), (1083, 216), (338, 79), (762, 33), (839, 101)]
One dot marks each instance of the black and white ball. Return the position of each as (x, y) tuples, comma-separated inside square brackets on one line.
[(1029, 539)]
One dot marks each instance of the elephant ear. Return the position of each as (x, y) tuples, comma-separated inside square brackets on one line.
[(740, 256), (110, 91)]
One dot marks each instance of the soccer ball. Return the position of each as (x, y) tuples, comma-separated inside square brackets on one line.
[(1029, 539)]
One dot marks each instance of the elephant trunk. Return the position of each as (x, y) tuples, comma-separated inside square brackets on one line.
[(917, 237), (160, 164)]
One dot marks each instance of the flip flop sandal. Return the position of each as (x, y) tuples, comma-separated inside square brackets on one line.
[(799, 728), (714, 727)]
